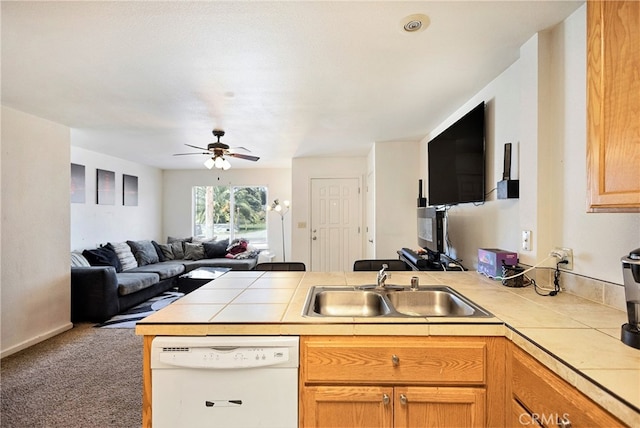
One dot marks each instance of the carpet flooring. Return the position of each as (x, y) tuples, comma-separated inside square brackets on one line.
[(83, 378)]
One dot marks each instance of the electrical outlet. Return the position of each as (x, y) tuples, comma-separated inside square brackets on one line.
[(565, 254)]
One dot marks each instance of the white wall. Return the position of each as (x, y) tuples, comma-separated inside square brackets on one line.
[(303, 170), (396, 186), (539, 104), (491, 225), (598, 240), (93, 224), (35, 281), (177, 199)]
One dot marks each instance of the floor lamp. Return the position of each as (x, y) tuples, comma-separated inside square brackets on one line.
[(281, 209)]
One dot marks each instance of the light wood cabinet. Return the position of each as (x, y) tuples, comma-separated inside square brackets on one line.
[(539, 397), (382, 381), (613, 106)]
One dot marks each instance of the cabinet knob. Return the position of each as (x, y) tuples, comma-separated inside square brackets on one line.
[(395, 360), (564, 422), (403, 399), (385, 399)]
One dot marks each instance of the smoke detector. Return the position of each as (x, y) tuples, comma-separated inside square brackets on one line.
[(415, 23)]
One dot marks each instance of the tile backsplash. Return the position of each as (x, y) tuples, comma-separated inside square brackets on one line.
[(598, 291)]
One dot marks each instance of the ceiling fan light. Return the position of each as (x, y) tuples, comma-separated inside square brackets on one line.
[(209, 163), (225, 164), (218, 162)]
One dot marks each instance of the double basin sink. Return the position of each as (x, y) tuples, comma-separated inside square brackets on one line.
[(391, 301)]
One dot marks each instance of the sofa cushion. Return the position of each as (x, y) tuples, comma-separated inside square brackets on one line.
[(193, 251), (177, 249), (129, 283), (166, 269), (235, 264), (144, 252), (126, 257), (217, 249), (159, 252), (171, 240), (78, 260), (103, 256), (167, 252)]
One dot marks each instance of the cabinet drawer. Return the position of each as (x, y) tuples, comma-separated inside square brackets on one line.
[(397, 360), (549, 398)]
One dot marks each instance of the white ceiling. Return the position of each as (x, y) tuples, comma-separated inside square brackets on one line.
[(138, 80)]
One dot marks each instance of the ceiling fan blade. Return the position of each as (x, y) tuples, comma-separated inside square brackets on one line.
[(186, 154), (241, 148), (196, 147), (246, 157)]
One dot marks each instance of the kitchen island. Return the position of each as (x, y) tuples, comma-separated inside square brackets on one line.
[(576, 340)]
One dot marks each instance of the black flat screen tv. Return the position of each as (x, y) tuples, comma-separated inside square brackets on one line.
[(431, 231), (456, 161)]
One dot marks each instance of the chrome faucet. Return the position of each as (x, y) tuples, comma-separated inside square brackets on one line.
[(382, 276)]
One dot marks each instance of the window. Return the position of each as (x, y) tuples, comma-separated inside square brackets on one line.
[(230, 212)]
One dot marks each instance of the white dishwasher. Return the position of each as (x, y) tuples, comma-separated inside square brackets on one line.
[(225, 381)]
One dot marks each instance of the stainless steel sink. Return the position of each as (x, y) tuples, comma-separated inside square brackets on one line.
[(349, 303), (435, 301)]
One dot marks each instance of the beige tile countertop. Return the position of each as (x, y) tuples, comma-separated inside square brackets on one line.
[(576, 338)]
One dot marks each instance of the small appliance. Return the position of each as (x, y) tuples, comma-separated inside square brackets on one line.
[(631, 275), (491, 260)]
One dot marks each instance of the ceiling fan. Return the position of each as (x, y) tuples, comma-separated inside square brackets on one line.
[(218, 151)]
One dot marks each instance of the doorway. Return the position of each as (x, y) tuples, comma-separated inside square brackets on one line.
[(335, 224)]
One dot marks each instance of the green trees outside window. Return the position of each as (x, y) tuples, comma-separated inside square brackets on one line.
[(230, 212)]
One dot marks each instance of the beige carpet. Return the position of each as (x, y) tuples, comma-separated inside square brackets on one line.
[(86, 377)]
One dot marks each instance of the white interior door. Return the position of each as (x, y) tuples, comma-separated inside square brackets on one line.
[(335, 224)]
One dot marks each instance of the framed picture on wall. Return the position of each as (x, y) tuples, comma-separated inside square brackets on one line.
[(105, 187), (78, 190), (129, 190)]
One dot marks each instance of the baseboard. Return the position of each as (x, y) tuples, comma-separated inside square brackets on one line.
[(34, 340)]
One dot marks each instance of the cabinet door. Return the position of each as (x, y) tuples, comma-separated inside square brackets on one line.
[(439, 407), (613, 85), (520, 417), (346, 406), (549, 399)]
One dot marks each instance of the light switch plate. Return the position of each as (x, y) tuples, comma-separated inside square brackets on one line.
[(526, 240)]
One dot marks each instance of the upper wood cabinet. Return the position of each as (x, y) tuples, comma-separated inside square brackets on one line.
[(613, 106)]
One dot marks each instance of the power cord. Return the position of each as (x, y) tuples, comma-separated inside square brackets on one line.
[(556, 282), (556, 277)]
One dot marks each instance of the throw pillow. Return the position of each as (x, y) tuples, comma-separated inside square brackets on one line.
[(144, 252), (158, 251), (78, 260), (177, 249), (171, 240), (167, 252), (193, 251), (103, 256), (215, 250), (237, 247), (126, 257)]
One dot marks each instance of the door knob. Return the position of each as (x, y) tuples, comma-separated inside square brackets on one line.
[(314, 238), (385, 399), (371, 240), (403, 399)]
